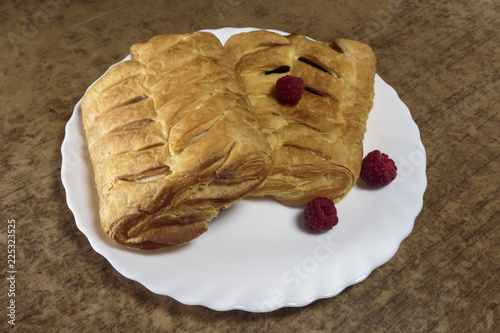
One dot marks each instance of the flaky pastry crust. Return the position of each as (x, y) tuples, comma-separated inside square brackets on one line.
[(318, 144), (173, 139)]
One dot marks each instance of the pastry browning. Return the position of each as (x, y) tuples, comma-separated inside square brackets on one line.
[(318, 144), (173, 139)]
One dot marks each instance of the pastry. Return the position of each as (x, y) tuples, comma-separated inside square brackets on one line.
[(173, 139), (318, 144)]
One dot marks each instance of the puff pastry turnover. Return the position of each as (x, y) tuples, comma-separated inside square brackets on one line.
[(318, 144), (173, 139)]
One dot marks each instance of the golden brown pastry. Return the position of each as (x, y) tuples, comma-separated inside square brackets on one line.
[(173, 138), (318, 144)]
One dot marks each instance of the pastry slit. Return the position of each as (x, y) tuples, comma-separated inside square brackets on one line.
[(134, 100), (317, 66), (155, 145), (313, 64), (135, 125), (148, 175), (198, 136), (320, 93), (279, 70)]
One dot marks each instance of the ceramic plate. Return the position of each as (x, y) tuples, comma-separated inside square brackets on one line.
[(256, 255)]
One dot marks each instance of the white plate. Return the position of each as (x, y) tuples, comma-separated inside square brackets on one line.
[(256, 256)]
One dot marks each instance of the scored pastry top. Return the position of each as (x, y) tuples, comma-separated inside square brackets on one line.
[(173, 138), (318, 144)]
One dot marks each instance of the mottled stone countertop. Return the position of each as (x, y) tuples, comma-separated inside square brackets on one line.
[(442, 57)]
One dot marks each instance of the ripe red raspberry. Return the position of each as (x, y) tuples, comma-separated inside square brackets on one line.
[(320, 214), (290, 89), (377, 169)]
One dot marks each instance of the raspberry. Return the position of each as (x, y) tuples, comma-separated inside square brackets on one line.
[(289, 89), (320, 214), (377, 169)]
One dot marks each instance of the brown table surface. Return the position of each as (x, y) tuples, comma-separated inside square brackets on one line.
[(442, 57)]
